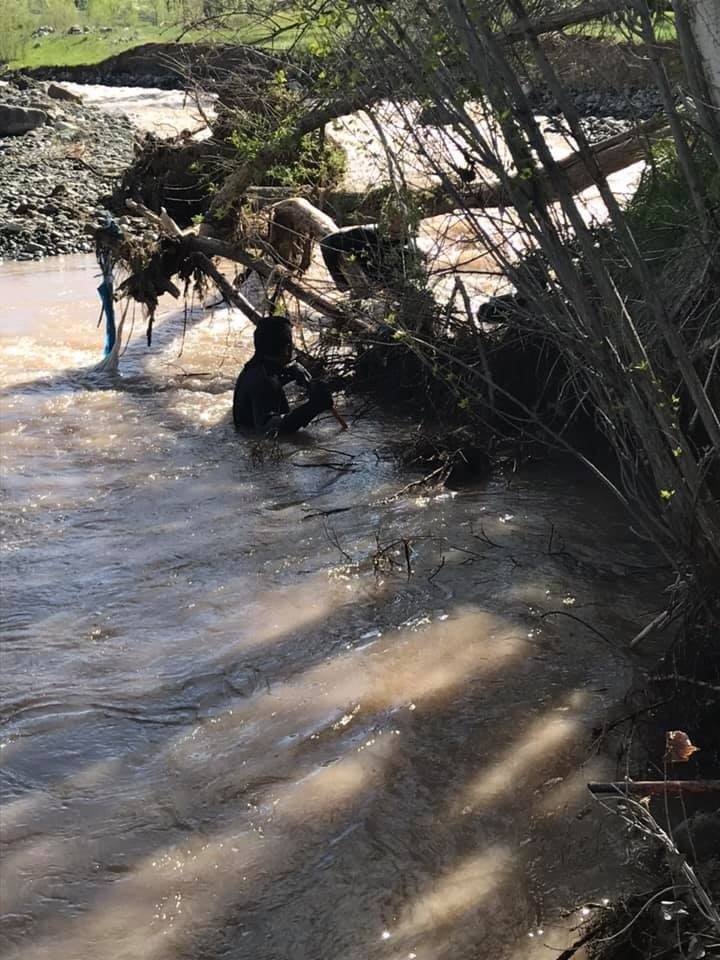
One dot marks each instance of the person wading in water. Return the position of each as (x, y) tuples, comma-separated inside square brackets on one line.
[(259, 401)]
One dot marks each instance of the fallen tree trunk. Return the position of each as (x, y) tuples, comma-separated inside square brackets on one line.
[(188, 252), (564, 18), (218, 248), (611, 155), (294, 224), (297, 217), (653, 788)]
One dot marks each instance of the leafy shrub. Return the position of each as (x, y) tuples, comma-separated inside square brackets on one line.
[(662, 215)]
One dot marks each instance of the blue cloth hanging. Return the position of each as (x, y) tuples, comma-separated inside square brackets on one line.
[(105, 290)]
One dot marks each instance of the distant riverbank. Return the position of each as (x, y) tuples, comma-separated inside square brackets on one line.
[(56, 175)]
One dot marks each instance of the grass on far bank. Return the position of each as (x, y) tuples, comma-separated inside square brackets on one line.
[(664, 26), (280, 33), (63, 50)]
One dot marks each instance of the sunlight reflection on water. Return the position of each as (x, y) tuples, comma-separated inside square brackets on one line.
[(220, 739)]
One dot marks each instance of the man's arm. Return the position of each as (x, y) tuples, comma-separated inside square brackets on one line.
[(296, 373), (320, 399)]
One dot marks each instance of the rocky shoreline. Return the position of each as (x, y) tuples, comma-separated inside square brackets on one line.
[(629, 104), (53, 175)]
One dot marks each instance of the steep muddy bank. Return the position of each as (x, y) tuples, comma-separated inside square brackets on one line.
[(163, 65)]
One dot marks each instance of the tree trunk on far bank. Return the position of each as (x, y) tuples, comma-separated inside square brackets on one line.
[(705, 23)]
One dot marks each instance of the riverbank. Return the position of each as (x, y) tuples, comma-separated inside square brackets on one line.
[(56, 178), (53, 176)]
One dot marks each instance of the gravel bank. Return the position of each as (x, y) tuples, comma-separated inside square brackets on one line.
[(52, 178), (628, 103)]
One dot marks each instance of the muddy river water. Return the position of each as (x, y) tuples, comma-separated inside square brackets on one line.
[(253, 704), (226, 731)]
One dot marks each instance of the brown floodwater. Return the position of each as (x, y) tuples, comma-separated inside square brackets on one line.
[(228, 730)]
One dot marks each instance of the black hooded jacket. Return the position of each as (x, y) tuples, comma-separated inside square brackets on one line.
[(259, 401)]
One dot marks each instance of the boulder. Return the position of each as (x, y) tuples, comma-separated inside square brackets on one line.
[(17, 120), (23, 83), (31, 247), (74, 30), (60, 93), (66, 130)]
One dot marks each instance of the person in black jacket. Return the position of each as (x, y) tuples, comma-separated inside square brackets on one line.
[(259, 401)]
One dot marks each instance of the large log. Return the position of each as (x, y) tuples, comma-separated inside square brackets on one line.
[(561, 19), (612, 155), (654, 788), (294, 224), (198, 251)]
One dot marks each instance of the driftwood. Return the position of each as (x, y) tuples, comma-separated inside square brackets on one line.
[(191, 245), (228, 291), (657, 623), (615, 153), (294, 224), (654, 788), (218, 248)]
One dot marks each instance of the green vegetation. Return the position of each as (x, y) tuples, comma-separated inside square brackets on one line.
[(126, 23), (664, 27), (317, 162), (68, 51), (116, 25), (661, 213)]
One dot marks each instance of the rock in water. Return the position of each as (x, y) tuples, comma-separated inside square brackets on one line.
[(18, 120), (60, 93)]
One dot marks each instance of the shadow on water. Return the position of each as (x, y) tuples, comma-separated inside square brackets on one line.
[(231, 731)]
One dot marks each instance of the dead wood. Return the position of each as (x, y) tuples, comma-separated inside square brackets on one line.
[(183, 253), (294, 224), (232, 296), (219, 248), (611, 155), (553, 22), (654, 788)]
